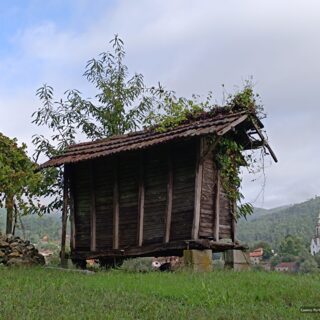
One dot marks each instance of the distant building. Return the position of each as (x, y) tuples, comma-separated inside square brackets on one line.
[(256, 256), (287, 267), (315, 242)]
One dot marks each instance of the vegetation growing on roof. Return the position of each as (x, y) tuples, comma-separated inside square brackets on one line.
[(229, 153), (173, 111)]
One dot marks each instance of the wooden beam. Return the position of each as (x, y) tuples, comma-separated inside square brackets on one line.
[(64, 217), (115, 205), (232, 125), (72, 210), (161, 249), (168, 214), (141, 199), (265, 142), (93, 218), (217, 208), (198, 188), (233, 222)]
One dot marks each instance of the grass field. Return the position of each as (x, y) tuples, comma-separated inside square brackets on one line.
[(55, 294)]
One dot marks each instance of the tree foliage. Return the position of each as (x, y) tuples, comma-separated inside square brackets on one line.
[(291, 245), (122, 104), (20, 184)]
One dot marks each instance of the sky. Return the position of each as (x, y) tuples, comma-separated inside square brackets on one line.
[(190, 47)]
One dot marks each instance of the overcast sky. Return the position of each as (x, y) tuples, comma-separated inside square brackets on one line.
[(190, 47)]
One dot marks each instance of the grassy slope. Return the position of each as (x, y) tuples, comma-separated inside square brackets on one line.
[(54, 294)]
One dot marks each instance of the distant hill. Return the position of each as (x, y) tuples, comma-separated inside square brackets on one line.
[(274, 224), (259, 212)]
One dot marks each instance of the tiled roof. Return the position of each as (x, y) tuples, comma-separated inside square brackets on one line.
[(218, 123), (257, 253)]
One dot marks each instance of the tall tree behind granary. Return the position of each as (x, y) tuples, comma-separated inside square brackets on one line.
[(123, 104)]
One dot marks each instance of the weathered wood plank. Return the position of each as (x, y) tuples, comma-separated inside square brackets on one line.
[(233, 223), (72, 211), (115, 205), (197, 196), (82, 205), (141, 200), (64, 215), (168, 214), (217, 208), (93, 227)]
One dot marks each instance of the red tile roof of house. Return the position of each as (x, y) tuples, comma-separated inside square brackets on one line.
[(257, 253)]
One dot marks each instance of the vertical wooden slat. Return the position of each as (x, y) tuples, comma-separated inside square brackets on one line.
[(72, 210), (141, 199), (168, 213), (217, 208), (93, 225), (64, 216), (115, 205), (198, 188), (233, 223)]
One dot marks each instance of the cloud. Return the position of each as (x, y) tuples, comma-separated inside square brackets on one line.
[(191, 47)]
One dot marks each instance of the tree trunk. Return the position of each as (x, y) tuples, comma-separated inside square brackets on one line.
[(10, 209)]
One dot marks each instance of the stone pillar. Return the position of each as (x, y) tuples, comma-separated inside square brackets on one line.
[(237, 260), (198, 260)]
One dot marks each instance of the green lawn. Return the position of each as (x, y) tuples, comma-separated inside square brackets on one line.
[(54, 294)]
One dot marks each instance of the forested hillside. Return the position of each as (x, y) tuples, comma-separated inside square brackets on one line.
[(273, 225)]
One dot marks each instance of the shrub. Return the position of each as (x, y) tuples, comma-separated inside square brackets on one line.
[(137, 265)]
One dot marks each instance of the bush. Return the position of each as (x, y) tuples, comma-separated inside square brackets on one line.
[(309, 266), (137, 265)]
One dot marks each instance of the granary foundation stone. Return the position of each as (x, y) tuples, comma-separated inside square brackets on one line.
[(198, 260), (237, 260)]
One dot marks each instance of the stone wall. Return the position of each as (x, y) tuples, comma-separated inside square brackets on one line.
[(15, 251)]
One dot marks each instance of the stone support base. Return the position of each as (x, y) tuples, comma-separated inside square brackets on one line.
[(237, 260), (198, 260)]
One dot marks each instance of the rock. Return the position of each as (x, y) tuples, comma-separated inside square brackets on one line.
[(14, 254), (17, 252), (3, 244)]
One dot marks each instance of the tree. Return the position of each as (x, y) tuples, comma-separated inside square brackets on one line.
[(20, 185), (309, 266), (122, 104), (275, 260), (291, 245)]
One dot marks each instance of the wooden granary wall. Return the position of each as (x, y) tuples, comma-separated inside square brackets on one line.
[(152, 198)]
